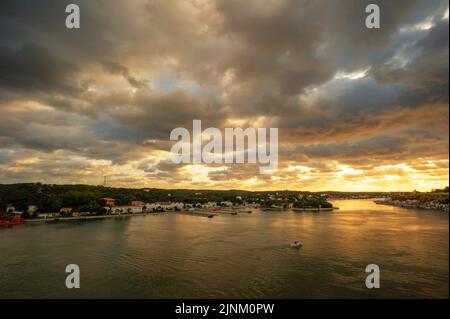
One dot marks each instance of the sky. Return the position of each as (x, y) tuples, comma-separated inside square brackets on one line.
[(356, 109)]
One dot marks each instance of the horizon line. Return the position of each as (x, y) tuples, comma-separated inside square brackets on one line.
[(230, 189)]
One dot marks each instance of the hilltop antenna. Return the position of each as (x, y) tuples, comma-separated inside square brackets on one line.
[(104, 181)]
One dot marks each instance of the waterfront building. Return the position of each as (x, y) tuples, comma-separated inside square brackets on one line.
[(126, 209), (166, 205), (226, 203), (137, 203), (65, 210), (109, 201), (32, 209), (48, 215), (163, 206)]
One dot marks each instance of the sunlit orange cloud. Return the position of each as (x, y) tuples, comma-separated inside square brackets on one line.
[(356, 109)]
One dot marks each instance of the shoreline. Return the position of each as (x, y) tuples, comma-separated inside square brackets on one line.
[(401, 204), (78, 218), (324, 209), (62, 219)]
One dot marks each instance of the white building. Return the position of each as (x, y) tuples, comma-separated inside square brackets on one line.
[(226, 203), (178, 205), (48, 215), (159, 206), (164, 206), (65, 210), (32, 209), (127, 209), (209, 205)]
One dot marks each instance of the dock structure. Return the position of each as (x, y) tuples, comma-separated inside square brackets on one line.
[(198, 213), (234, 211), (204, 213), (62, 219), (244, 211), (318, 209), (225, 212)]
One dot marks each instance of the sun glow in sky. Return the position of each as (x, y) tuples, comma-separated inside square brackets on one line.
[(356, 109)]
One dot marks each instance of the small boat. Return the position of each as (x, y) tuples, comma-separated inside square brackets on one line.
[(296, 244)]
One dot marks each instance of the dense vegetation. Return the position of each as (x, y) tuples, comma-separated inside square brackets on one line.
[(443, 190), (312, 202), (51, 198)]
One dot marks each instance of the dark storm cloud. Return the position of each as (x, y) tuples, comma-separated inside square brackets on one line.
[(160, 168), (43, 22), (31, 69), (157, 113), (115, 68), (426, 64), (304, 43), (115, 88)]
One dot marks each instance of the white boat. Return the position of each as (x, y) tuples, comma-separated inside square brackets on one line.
[(297, 244)]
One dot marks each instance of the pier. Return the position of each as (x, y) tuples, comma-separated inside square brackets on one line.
[(198, 213)]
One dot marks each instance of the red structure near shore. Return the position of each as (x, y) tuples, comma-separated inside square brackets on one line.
[(7, 220)]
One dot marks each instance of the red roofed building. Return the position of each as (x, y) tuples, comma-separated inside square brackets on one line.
[(137, 203), (109, 201)]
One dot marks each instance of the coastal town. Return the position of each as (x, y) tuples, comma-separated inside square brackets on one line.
[(111, 208), (435, 200), (34, 202), (52, 203)]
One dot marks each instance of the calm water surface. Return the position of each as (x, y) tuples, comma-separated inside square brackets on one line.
[(182, 256)]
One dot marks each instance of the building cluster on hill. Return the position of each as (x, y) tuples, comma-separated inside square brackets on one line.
[(112, 206), (432, 201)]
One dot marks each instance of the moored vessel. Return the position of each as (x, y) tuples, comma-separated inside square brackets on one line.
[(6, 221)]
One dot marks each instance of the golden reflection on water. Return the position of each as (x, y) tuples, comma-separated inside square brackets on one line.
[(181, 256)]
